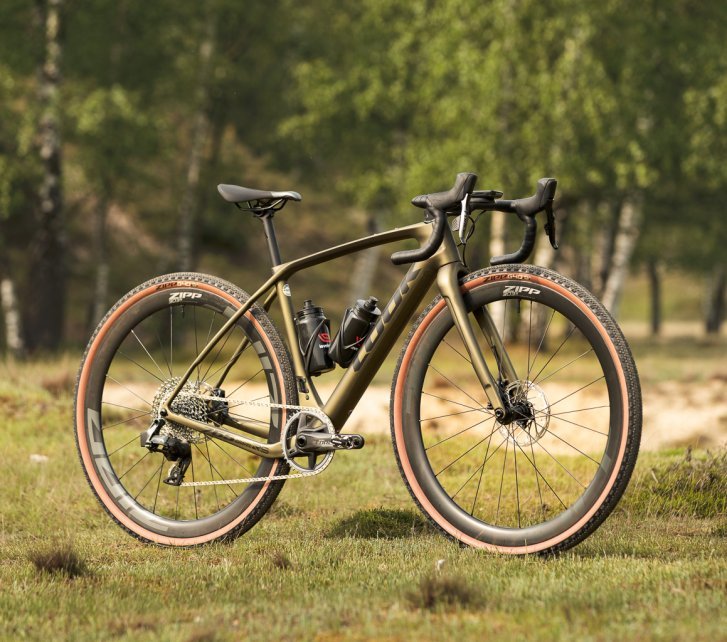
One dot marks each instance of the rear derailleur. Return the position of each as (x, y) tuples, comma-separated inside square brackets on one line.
[(174, 449)]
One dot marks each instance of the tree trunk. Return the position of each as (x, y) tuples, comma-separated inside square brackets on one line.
[(716, 301), (626, 236), (200, 131), (362, 278), (11, 318), (101, 289), (654, 270), (47, 282), (606, 244)]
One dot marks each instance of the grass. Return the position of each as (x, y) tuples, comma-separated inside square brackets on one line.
[(343, 556)]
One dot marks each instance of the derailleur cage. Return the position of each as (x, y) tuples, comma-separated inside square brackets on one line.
[(174, 449)]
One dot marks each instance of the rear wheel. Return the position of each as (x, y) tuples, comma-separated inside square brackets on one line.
[(546, 478), (132, 364)]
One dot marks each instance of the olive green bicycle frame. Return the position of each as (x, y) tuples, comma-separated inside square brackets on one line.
[(444, 268)]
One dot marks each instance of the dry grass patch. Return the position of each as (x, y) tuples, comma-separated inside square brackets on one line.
[(59, 559)]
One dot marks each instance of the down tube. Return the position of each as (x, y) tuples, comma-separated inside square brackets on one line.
[(395, 317)]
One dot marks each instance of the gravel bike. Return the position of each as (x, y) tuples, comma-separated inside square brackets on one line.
[(515, 404)]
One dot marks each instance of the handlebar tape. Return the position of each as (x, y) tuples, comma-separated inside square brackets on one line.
[(430, 247)]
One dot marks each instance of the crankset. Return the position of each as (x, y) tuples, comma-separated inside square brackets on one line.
[(309, 441)]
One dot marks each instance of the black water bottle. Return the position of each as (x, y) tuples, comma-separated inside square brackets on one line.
[(314, 336), (355, 327)]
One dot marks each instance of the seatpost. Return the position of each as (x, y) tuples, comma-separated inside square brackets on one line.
[(267, 219)]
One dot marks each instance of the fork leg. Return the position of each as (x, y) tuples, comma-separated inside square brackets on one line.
[(448, 283)]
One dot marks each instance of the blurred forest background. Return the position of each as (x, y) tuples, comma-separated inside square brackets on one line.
[(118, 118)]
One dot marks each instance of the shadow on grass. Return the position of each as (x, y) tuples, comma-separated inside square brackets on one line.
[(59, 559), (381, 523)]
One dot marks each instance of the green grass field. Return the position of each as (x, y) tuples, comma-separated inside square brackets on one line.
[(343, 556)]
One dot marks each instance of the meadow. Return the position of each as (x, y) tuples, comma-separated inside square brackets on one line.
[(345, 555)]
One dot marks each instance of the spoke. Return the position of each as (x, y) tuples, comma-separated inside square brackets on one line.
[(530, 330), (458, 433), (547, 452), (215, 469), (569, 412), (176, 507), (457, 351), (456, 403), (148, 353), (118, 405), (540, 345), (171, 335), (537, 471), (233, 358), (108, 376), (164, 353), (552, 356), (537, 481), (463, 454), (476, 470), (118, 423), (219, 352), (212, 477), (561, 368), (138, 364), (154, 474), (577, 391), (550, 432), (456, 386), (517, 486), (196, 344), (452, 414), (482, 470), (245, 468), (159, 483), (133, 439), (194, 492), (605, 434), (136, 464), (239, 416), (245, 382), (503, 336), (502, 479)]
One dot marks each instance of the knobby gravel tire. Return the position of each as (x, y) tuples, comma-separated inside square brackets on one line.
[(252, 503), (489, 284)]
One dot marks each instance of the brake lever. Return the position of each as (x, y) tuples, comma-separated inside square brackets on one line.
[(463, 216), (550, 225)]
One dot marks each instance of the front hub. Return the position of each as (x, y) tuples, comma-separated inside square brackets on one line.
[(527, 418)]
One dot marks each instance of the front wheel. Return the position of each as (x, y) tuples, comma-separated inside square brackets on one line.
[(548, 477)]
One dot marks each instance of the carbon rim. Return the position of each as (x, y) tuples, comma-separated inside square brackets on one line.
[(137, 357), (509, 485)]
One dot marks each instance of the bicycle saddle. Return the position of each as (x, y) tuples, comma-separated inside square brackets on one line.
[(463, 184), (238, 194)]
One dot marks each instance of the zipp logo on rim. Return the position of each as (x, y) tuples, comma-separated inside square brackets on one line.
[(514, 290), (177, 297)]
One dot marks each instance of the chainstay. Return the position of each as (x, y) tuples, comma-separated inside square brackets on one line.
[(234, 403)]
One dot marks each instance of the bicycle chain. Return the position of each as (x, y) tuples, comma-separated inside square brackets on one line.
[(234, 403)]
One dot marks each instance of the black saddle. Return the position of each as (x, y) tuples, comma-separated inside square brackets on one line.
[(237, 194)]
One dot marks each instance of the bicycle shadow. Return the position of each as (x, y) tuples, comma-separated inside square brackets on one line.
[(381, 523)]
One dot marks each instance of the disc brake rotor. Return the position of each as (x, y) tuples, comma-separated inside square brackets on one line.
[(532, 413)]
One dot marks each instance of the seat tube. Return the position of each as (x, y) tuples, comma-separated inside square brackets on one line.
[(448, 283)]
